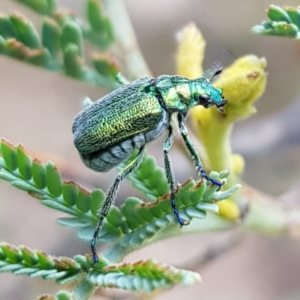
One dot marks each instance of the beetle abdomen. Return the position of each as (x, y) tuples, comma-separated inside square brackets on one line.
[(106, 159)]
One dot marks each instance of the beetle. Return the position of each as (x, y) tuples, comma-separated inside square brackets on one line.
[(108, 131)]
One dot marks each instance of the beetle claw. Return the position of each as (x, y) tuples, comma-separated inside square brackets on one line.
[(213, 181)]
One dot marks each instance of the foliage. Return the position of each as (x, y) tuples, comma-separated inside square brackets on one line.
[(130, 227), (284, 21), (61, 48)]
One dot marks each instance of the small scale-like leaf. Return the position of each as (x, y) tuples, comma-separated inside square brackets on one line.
[(195, 213), (24, 163), (26, 31), (97, 200), (30, 258), (276, 13), (72, 35), (11, 252), (9, 155), (51, 33), (105, 65), (39, 174), (208, 207), (128, 209), (83, 201), (221, 195), (54, 183), (100, 32), (7, 29), (70, 192), (72, 62), (294, 15)]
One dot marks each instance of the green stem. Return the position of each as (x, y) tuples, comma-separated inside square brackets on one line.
[(126, 47)]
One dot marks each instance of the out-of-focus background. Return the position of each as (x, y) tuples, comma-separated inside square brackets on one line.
[(37, 109)]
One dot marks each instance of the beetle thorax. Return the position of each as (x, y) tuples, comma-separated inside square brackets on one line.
[(178, 98)]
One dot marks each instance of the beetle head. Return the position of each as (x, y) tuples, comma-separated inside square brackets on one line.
[(212, 96)]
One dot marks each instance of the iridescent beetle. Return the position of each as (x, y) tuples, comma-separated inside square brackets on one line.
[(108, 131)]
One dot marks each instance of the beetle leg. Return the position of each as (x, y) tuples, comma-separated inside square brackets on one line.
[(111, 195), (169, 173), (192, 151)]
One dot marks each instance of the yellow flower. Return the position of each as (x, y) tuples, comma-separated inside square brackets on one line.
[(242, 84)]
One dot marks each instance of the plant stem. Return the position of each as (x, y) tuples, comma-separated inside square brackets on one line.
[(126, 47)]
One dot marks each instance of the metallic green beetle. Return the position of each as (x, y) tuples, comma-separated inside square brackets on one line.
[(108, 131)]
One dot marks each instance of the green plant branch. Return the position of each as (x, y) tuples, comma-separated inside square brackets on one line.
[(284, 22), (60, 47), (114, 30), (131, 227), (146, 275), (34, 263)]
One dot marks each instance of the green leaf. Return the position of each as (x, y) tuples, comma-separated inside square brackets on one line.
[(72, 61), (51, 36), (7, 29), (9, 154), (100, 32), (276, 13), (106, 65), (24, 163), (72, 35), (26, 31), (39, 174), (70, 191), (83, 201), (54, 183)]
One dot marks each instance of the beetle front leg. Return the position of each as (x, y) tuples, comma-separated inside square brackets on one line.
[(110, 198), (170, 176), (192, 151)]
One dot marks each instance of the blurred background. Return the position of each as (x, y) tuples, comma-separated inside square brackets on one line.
[(37, 109)]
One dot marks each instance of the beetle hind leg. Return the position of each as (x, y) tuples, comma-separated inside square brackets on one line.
[(110, 198), (170, 176)]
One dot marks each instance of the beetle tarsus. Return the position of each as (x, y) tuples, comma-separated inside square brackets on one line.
[(213, 181), (93, 247), (176, 213)]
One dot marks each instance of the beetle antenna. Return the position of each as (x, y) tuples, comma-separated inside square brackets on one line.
[(213, 71)]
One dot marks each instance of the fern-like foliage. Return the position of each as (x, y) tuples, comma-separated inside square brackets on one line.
[(145, 275), (60, 47), (34, 263), (284, 21), (130, 227)]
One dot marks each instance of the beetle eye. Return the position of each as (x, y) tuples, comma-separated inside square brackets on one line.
[(203, 99)]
